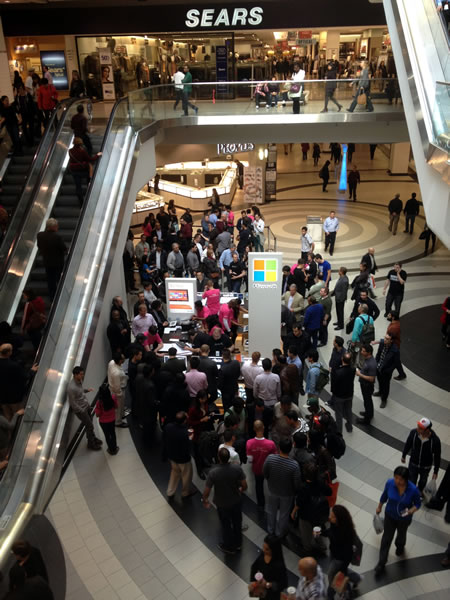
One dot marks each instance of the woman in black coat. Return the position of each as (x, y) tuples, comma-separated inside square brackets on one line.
[(269, 564), (324, 174), (342, 536)]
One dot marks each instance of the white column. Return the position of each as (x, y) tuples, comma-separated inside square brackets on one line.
[(264, 301), (399, 158), (71, 56), (333, 38), (5, 73)]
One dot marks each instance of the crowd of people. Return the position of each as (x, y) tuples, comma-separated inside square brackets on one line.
[(220, 413)]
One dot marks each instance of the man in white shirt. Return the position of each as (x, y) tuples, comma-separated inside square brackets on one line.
[(48, 76), (177, 80), (307, 243), (142, 321), (229, 438), (29, 83), (117, 382), (249, 371), (330, 226), (267, 387)]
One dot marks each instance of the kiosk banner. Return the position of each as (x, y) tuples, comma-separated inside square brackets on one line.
[(264, 306), (181, 296)]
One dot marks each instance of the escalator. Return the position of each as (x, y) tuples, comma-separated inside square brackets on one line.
[(66, 210), (421, 51), (93, 235), (15, 177)]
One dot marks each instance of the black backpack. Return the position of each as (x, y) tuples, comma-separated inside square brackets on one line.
[(367, 334), (323, 378), (320, 509), (335, 444), (208, 446)]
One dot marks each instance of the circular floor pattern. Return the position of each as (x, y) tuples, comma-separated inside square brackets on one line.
[(423, 350), (363, 225)]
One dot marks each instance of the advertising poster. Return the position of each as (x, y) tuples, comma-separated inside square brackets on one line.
[(181, 296), (253, 185), (55, 60), (106, 74), (221, 67)]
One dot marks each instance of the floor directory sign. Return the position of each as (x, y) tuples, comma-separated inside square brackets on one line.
[(264, 301), (181, 297)]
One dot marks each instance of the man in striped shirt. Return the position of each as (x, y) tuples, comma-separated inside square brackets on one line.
[(311, 585), (283, 480)]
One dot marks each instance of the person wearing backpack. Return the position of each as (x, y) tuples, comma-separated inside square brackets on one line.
[(345, 547), (342, 393), (363, 331), (315, 377)]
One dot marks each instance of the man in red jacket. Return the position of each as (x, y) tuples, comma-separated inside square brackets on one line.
[(46, 98)]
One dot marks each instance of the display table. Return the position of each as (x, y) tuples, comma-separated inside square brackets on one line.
[(146, 202), (191, 183)]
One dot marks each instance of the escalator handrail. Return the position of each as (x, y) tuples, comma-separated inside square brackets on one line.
[(75, 237), (25, 507), (65, 104)]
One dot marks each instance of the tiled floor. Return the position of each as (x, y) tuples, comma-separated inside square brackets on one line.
[(122, 539)]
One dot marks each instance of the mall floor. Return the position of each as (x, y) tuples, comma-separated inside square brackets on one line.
[(123, 540)]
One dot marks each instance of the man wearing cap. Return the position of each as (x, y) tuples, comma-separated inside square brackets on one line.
[(425, 447)]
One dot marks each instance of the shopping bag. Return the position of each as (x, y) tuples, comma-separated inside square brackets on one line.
[(378, 524), (362, 98), (340, 582), (429, 491)]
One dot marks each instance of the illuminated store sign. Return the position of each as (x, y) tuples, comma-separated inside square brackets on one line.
[(231, 148), (224, 17)]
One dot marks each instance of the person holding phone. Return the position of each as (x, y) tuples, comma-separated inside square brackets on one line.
[(403, 500)]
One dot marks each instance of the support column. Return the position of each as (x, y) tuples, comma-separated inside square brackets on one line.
[(5, 73), (71, 56), (333, 39), (399, 158)]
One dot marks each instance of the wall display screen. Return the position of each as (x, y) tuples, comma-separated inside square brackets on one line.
[(56, 63), (180, 293)]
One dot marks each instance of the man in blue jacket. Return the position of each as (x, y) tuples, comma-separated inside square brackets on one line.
[(314, 316)]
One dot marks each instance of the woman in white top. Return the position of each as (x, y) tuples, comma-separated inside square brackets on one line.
[(258, 227), (296, 88)]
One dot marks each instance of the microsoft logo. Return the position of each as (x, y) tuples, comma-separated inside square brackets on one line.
[(265, 270)]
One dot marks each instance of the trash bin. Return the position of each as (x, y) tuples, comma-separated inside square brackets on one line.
[(315, 228)]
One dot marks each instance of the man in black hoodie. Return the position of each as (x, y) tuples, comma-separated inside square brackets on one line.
[(425, 447)]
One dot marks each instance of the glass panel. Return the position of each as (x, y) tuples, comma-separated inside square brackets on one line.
[(34, 208), (441, 117), (35, 172), (69, 322), (266, 98)]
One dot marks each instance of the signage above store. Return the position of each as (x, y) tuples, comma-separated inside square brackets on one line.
[(232, 148), (224, 17)]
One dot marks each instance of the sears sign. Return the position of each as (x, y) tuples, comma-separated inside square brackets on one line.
[(224, 17)]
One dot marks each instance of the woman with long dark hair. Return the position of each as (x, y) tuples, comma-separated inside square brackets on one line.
[(403, 500), (199, 420), (342, 536), (105, 409), (268, 573)]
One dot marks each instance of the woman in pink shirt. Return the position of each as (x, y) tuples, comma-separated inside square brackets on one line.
[(230, 219), (105, 409), (201, 312), (212, 296), (152, 340)]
